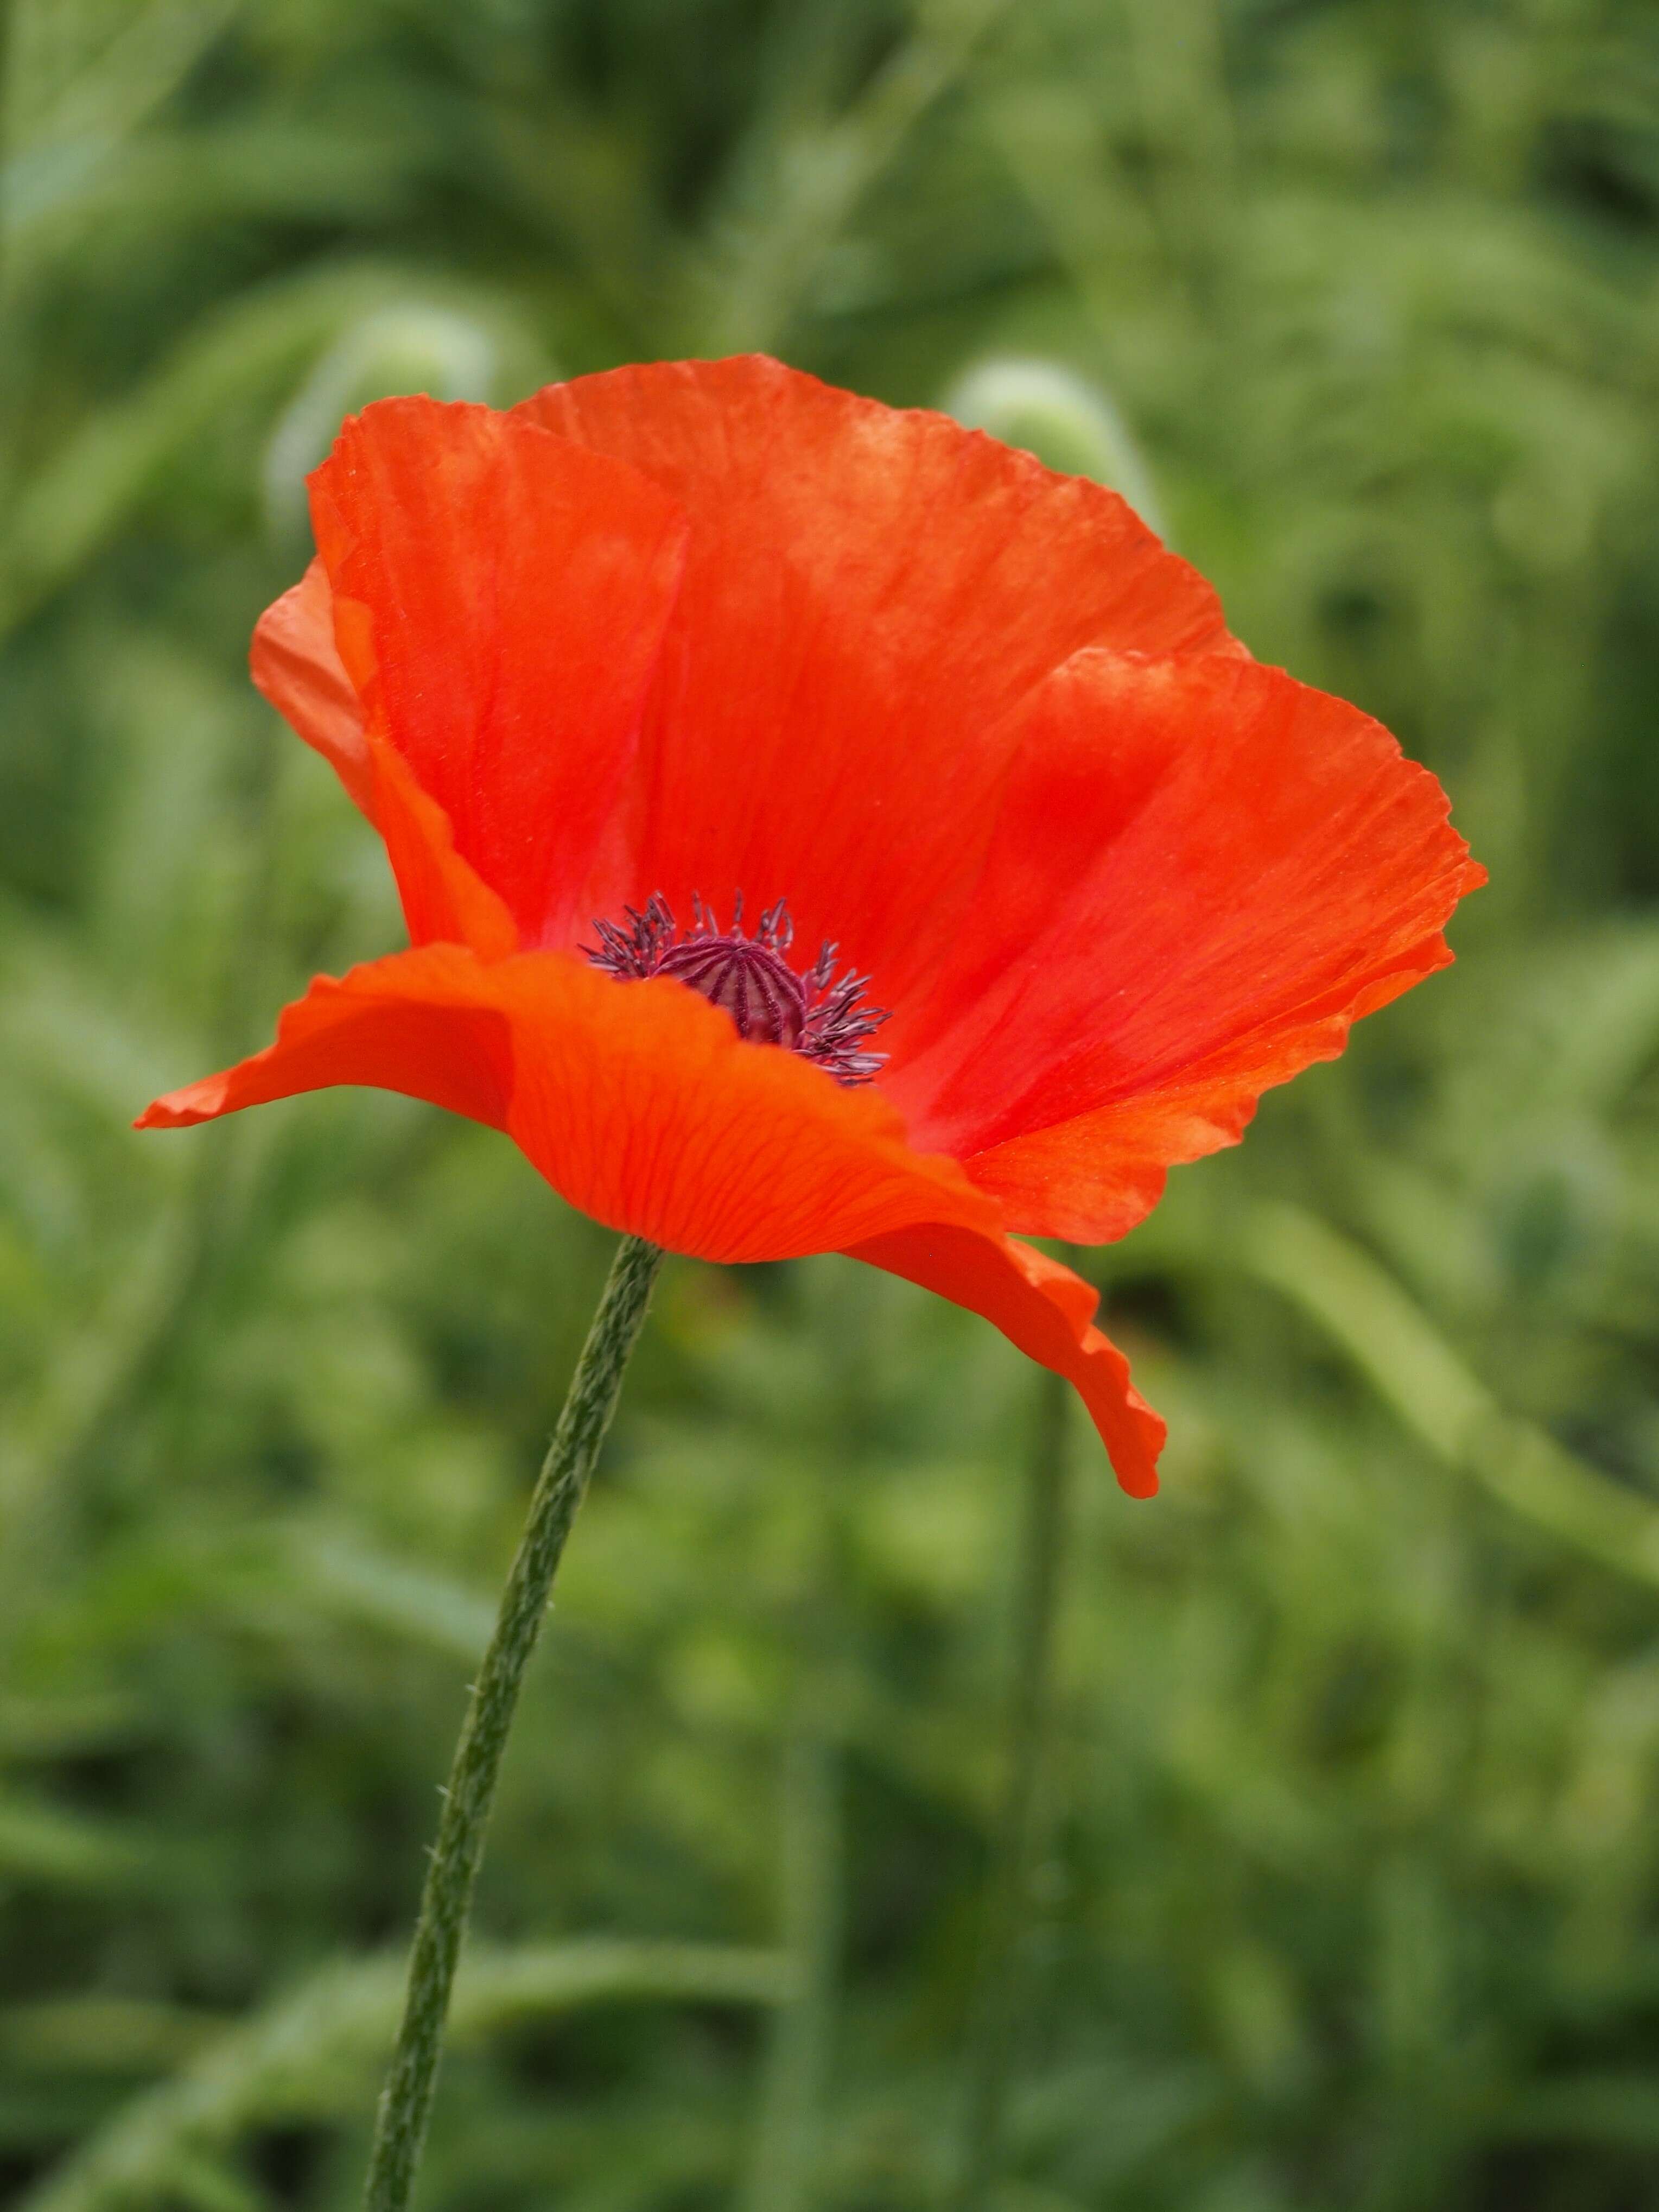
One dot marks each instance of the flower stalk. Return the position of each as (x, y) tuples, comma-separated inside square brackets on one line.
[(447, 1897)]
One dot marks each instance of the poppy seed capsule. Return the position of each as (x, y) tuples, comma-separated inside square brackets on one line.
[(763, 997), (820, 1015)]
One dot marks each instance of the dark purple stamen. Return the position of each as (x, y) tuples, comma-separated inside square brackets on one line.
[(815, 1014)]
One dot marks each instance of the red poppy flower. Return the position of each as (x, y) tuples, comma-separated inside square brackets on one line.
[(673, 647)]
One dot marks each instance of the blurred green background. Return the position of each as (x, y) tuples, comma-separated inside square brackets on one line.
[(1345, 1886)]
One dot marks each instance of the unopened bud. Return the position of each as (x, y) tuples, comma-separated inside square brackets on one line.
[(1069, 422)]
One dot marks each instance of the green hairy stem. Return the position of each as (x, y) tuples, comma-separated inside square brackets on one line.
[(406, 2100)]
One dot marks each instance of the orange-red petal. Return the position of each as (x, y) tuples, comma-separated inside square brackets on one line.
[(1091, 1178), (498, 597), (295, 663), (637, 1101), (1201, 874), (640, 1105), (867, 592), (1046, 1312)]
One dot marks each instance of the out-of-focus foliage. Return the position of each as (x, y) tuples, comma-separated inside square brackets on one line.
[(1349, 1890)]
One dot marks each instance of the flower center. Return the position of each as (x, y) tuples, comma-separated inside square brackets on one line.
[(815, 1013), (763, 994)]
